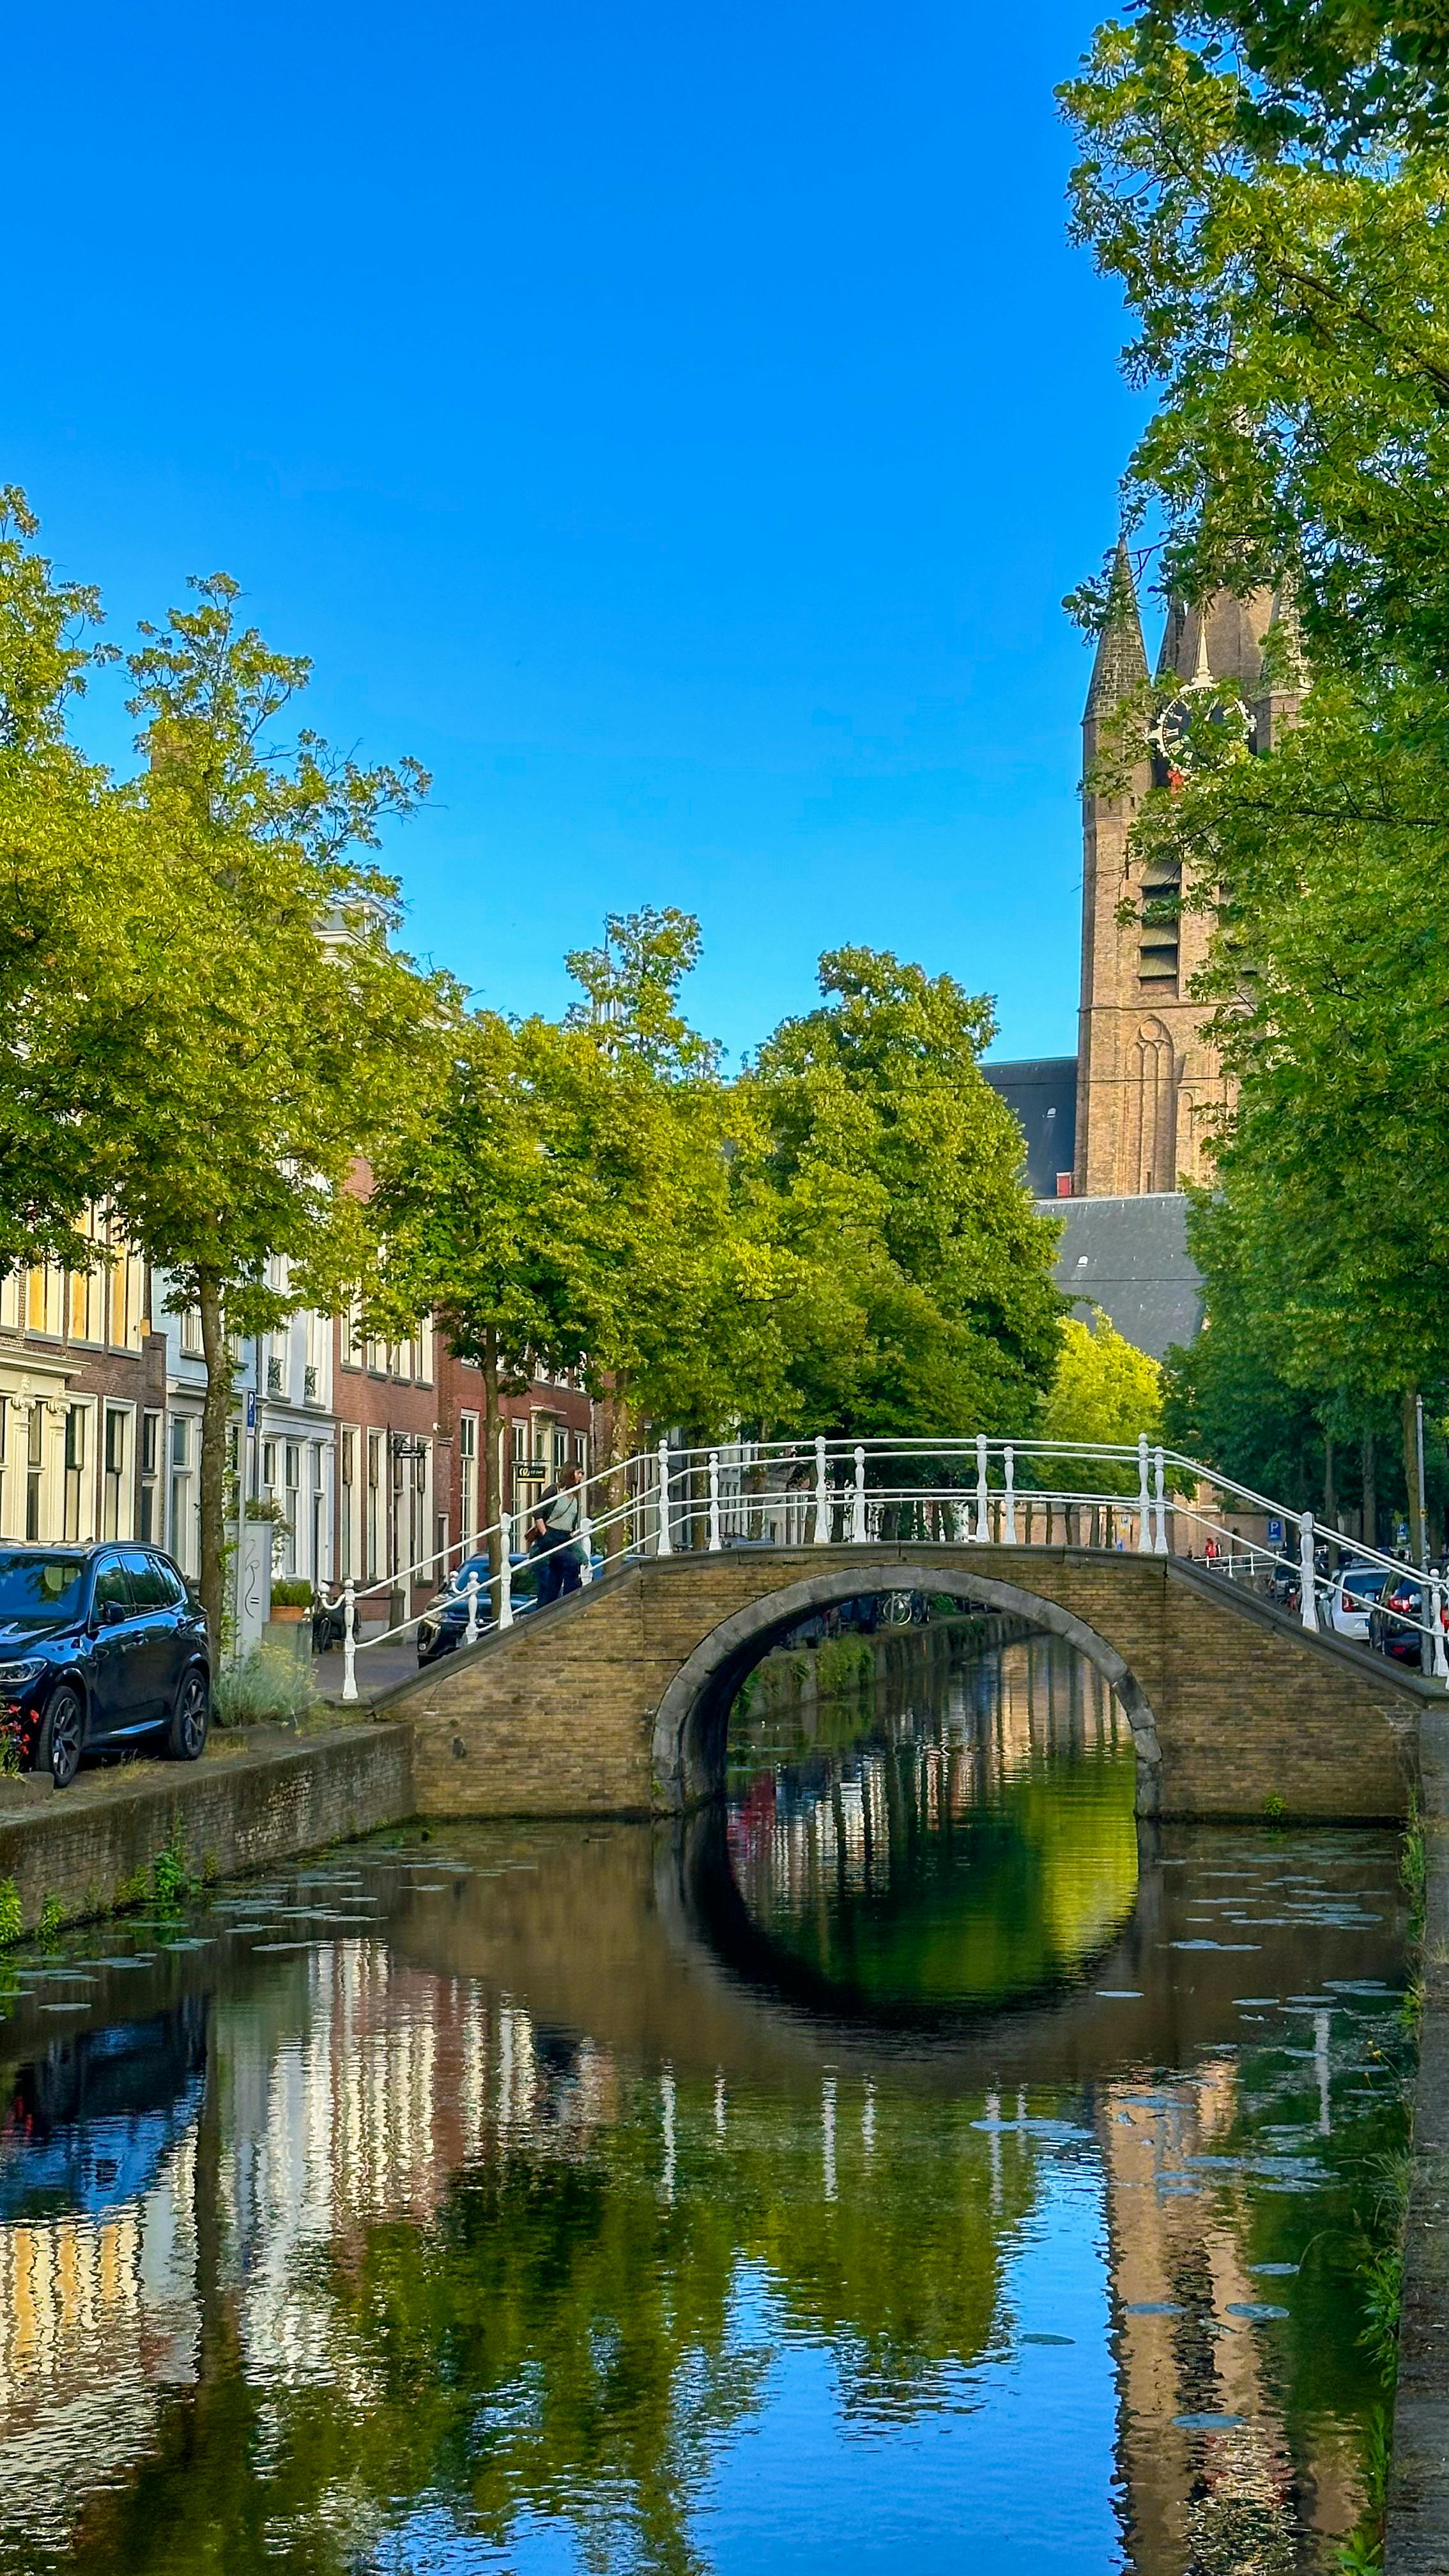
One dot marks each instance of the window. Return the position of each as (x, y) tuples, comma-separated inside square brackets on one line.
[(350, 1350), (180, 1440), (77, 1457), (191, 1333), (467, 1478), (347, 1502), (115, 1496), (423, 1352), (376, 1506), (111, 1585), (34, 1469), (150, 1461), (560, 1450), (148, 1591)]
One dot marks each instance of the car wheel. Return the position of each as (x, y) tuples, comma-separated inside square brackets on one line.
[(58, 1745), (190, 1719)]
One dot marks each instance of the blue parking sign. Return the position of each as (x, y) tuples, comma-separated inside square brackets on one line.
[(1275, 1533)]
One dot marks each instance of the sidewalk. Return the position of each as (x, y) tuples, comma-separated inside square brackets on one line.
[(378, 1668)]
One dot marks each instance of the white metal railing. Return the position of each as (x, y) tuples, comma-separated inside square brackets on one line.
[(673, 1500)]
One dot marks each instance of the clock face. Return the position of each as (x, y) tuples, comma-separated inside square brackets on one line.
[(1170, 732), (1170, 736)]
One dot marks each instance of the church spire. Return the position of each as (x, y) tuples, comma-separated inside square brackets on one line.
[(1121, 663)]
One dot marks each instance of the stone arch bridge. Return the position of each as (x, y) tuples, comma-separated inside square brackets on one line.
[(615, 1700)]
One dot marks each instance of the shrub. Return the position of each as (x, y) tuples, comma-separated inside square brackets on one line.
[(12, 1921), (292, 1593), (263, 1685)]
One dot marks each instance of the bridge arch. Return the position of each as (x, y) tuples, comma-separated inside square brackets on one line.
[(693, 1714)]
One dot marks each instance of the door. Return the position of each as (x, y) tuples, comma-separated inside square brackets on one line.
[(117, 1644), (155, 1666)]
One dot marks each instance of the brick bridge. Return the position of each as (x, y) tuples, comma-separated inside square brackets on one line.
[(615, 1701)]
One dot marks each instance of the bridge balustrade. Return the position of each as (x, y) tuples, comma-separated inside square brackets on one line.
[(677, 1499)]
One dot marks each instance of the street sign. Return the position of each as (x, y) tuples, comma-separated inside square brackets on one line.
[(1275, 1533), (251, 1409)]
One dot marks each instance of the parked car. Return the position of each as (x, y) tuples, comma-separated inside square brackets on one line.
[(1389, 1628), (99, 1646), (444, 1624), (1350, 1598)]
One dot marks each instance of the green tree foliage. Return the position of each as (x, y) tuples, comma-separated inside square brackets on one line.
[(66, 854), (1271, 188), (1102, 1390), (896, 1170), (268, 1028)]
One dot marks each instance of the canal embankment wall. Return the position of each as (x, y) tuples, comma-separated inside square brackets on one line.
[(1418, 2495), (95, 1848)]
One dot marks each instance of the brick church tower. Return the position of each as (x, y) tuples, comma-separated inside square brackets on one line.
[(1147, 1082)]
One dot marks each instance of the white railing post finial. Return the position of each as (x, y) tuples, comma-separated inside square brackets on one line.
[(983, 1505), (586, 1543), (1159, 1482), (665, 1546), (857, 1501), (470, 1633), (1008, 1463), (349, 1641), (505, 1571), (1307, 1574), (822, 1496), (1144, 1499), (714, 1538)]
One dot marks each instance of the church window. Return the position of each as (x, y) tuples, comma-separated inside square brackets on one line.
[(1159, 918), (1150, 1137)]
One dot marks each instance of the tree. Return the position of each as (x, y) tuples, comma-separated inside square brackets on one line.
[(1270, 188), (266, 1029), (68, 854), (1103, 1390), (897, 1173)]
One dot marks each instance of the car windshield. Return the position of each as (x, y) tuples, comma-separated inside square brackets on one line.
[(1367, 1579), (37, 1586), (458, 1581)]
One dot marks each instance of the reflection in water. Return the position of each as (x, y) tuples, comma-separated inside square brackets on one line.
[(976, 1844), (480, 2216)]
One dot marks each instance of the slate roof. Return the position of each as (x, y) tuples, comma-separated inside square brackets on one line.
[(1041, 1092), (1130, 1257)]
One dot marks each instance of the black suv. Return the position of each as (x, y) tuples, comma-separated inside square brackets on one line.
[(99, 1645)]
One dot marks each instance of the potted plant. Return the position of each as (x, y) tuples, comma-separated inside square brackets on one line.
[(291, 1600)]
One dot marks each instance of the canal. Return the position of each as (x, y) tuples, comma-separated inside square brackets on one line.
[(913, 2163)]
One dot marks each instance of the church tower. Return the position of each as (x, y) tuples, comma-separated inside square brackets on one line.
[(1147, 1082)]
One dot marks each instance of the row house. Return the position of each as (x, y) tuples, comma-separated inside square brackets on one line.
[(82, 1401), (282, 1450), (409, 1435)]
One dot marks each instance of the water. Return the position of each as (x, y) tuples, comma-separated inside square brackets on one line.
[(900, 2169)]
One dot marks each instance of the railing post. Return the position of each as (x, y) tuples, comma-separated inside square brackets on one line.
[(983, 1507), (349, 1640), (1159, 1479), (1436, 1613), (822, 1497), (714, 1541), (470, 1633), (1307, 1574), (1008, 1462), (505, 1571), (665, 1546), (1144, 1499), (857, 1501), (586, 1544)]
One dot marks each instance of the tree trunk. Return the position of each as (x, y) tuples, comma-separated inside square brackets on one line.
[(492, 1426), (1369, 1471), (1411, 1477), (215, 1412), (1330, 1499)]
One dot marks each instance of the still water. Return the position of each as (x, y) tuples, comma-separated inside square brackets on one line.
[(905, 2167)]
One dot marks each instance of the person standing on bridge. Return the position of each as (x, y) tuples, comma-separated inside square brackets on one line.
[(553, 1538)]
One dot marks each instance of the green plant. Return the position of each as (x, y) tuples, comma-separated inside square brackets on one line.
[(51, 1919), (172, 1878), (291, 1593), (1275, 1807), (12, 1921), (263, 1685), (1414, 1868)]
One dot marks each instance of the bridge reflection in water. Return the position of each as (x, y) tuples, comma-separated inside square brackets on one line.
[(489, 2206)]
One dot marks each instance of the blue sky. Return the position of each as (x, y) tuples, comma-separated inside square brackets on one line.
[(676, 428)]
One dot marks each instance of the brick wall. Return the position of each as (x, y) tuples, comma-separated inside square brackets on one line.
[(557, 1717)]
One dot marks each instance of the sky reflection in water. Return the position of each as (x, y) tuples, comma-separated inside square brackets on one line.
[(885, 2174)]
